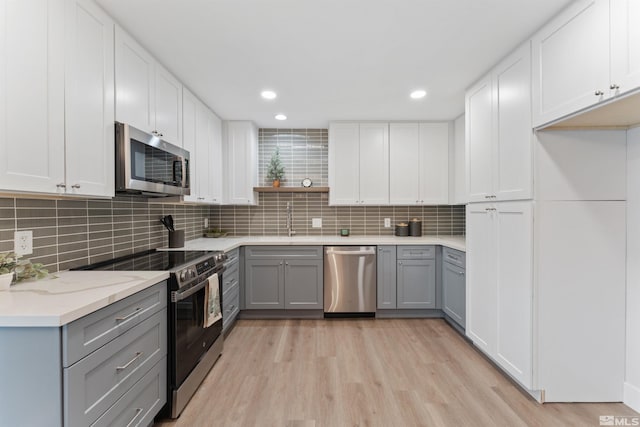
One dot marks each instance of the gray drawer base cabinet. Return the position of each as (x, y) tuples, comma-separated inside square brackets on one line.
[(47, 391), (454, 285), (283, 278), (231, 290)]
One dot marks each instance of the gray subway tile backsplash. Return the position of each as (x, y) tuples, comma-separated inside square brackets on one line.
[(69, 233)]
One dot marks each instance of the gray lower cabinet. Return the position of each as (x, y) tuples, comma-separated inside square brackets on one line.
[(454, 285), (231, 290), (63, 379), (283, 277), (416, 277), (416, 286), (386, 277)]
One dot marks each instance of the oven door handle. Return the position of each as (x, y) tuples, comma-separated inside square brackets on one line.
[(179, 296)]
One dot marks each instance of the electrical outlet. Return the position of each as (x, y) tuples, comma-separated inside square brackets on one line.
[(387, 223), (206, 223), (316, 222), (23, 242)]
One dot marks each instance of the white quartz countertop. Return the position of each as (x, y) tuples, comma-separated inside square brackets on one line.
[(70, 296), (227, 244)]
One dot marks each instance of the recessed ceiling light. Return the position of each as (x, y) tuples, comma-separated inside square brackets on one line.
[(281, 117), (417, 94), (268, 94)]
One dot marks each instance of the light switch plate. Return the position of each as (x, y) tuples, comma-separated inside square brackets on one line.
[(316, 222), (387, 223), (23, 242)]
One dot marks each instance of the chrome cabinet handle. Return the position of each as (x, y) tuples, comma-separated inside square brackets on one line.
[(599, 93), (61, 185), (138, 412), (136, 311), (614, 86), (487, 197), (75, 186), (136, 357), (461, 273)]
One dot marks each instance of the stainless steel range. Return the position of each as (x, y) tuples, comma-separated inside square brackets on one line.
[(193, 347)]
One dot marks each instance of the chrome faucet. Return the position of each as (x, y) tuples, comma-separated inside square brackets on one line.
[(290, 230)]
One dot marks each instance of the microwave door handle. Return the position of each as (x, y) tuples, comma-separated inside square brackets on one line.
[(185, 173), (176, 164)]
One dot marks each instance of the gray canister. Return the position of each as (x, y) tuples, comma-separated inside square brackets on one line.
[(415, 227), (402, 229)]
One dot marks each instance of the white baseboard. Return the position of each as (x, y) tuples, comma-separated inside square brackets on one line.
[(632, 396)]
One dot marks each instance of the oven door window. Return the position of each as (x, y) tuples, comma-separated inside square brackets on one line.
[(191, 337), (154, 165)]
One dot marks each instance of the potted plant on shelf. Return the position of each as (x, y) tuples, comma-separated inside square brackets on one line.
[(275, 170), (11, 269)]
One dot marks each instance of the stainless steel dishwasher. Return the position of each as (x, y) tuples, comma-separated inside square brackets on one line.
[(349, 281)]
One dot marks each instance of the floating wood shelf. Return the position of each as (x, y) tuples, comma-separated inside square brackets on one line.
[(291, 189)]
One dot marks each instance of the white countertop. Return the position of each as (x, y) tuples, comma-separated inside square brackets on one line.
[(229, 243), (70, 295)]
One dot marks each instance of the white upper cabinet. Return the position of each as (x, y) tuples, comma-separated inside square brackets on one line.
[(89, 100), (374, 164), (571, 61), (625, 45), (202, 137), (404, 163), (434, 163), (479, 140), (56, 98), (359, 163), (32, 95), (457, 173), (240, 152), (499, 132), (418, 163), (344, 171), (147, 96)]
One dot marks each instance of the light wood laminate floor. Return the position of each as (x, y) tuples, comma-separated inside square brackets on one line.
[(366, 372)]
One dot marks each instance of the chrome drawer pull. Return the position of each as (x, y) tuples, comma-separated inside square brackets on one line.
[(136, 357), (138, 412), (120, 319)]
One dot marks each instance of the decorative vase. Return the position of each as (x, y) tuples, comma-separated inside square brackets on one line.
[(5, 281), (276, 183)]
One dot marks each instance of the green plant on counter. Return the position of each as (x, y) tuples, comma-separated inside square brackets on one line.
[(25, 269)]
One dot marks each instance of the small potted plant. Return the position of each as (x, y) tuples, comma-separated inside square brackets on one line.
[(275, 170), (11, 269)]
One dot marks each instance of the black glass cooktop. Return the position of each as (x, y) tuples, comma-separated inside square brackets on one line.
[(148, 261)]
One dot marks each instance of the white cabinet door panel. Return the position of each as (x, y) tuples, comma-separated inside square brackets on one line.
[(203, 153), (89, 86), (581, 300), (189, 103), (32, 95), (215, 159), (344, 172), (479, 143), (457, 173), (168, 106), (571, 61), (434, 163), (512, 168), (514, 280), (625, 45), (135, 85), (404, 161), (481, 277), (241, 157), (374, 163)]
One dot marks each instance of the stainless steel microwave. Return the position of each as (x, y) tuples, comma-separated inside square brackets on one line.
[(147, 165)]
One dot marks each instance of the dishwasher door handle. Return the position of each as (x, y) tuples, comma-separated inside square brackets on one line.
[(364, 252)]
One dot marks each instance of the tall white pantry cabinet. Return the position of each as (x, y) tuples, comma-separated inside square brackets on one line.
[(545, 243)]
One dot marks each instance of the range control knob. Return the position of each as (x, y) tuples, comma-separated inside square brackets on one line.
[(220, 258), (192, 273), (183, 275)]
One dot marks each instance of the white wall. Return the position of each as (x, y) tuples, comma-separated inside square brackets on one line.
[(632, 375)]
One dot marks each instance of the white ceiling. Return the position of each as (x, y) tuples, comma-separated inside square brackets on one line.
[(330, 59)]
